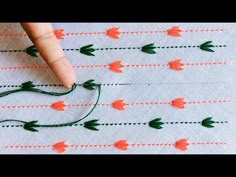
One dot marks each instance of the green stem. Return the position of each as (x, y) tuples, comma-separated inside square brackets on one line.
[(13, 120), (32, 124), (31, 89), (9, 92)]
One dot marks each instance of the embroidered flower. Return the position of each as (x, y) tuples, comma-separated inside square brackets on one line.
[(178, 103), (122, 145), (60, 106), (176, 65), (119, 104), (113, 33), (116, 66), (174, 31), (59, 33), (60, 147), (182, 144)]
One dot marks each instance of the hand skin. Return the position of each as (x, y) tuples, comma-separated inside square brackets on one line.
[(42, 35)]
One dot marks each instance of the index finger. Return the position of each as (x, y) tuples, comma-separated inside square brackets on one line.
[(43, 37)]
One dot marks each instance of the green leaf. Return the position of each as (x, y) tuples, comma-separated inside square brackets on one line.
[(27, 85), (156, 123), (89, 85), (149, 48), (206, 46), (91, 124), (87, 50), (208, 122), (29, 126), (32, 51)]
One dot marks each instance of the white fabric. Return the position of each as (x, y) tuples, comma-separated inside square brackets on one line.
[(196, 83)]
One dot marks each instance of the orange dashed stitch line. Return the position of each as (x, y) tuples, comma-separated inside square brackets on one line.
[(118, 104), (24, 106), (115, 32), (84, 33), (208, 101), (205, 30), (13, 35), (117, 66), (23, 67), (177, 103), (208, 143), (124, 145)]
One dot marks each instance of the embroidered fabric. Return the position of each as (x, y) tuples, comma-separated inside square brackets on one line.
[(166, 88)]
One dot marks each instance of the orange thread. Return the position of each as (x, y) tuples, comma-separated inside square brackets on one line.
[(116, 66), (205, 30), (208, 101), (153, 144), (174, 31), (143, 32), (14, 35), (207, 63), (119, 104), (91, 66), (113, 32), (25, 106), (145, 65), (23, 67), (182, 144), (122, 145), (207, 143), (178, 103), (84, 33), (60, 147), (59, 33), (29, 146), (60, 106)]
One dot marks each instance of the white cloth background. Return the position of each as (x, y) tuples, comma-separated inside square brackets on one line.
[(196, 83)]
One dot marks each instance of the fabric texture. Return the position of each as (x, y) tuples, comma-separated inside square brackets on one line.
[(166, 88)]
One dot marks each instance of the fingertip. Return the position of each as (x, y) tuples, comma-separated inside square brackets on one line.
[(69, 82), (64, 72)]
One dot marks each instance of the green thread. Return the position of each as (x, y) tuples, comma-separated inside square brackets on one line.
[(30, 87), (88, 85), (32, 125)]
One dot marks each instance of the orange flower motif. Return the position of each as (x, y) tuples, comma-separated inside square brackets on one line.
[(178, 103), (113, 33), (116, 66), (60, 147), (174, 31), (119, 104), (182, 144), (60, 106), (176, 65), (59, 33), (122, 145)]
